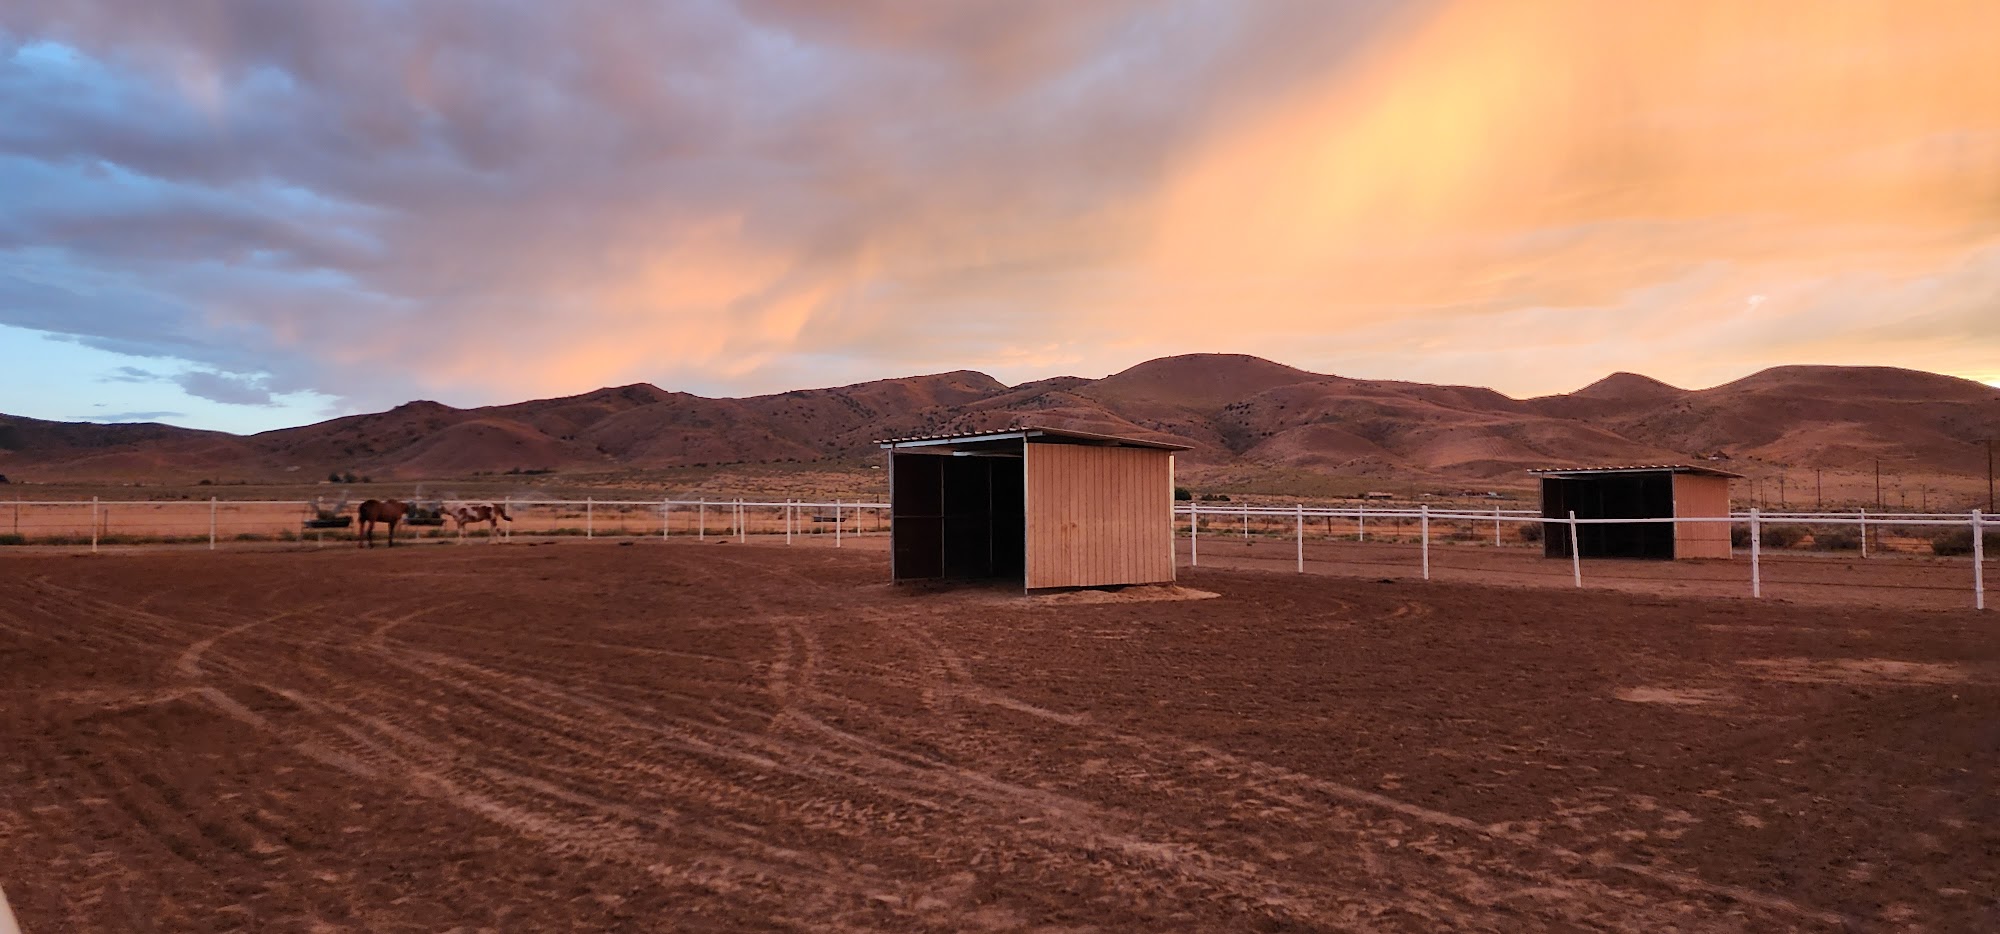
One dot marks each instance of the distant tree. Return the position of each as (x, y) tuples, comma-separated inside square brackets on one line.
[(333, 477), (1214, 498), (1181, 494), (3, 478), (347, 477)]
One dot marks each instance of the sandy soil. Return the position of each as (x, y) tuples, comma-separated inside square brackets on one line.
[(686, 737)]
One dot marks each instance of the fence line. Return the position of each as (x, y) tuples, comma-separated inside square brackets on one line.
[(850, 517), (1755, 519)]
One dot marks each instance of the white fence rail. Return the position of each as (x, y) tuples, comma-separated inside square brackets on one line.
[(1975, 523), (99, 522)]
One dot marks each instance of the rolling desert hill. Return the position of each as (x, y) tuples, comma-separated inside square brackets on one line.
[(1232, 410)]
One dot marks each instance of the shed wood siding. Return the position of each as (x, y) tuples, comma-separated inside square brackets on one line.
[(1098, 516), (1701, 496)]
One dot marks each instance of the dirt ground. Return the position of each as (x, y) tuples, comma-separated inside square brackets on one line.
[(673, 736)]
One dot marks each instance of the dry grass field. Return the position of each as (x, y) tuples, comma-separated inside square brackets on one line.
[(584, 736)]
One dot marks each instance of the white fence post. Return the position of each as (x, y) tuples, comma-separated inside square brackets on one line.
[(788, 522), (1424, 531), (1302, 537), (836, 523), (666, 516), (1361, 520), (1246, 523), (701, 520), (93, 524), (589, 517), (1756, 555), (1864, 533), (1496, 526), (1575, 551), (212, 505), (1194, 534), (1978, 561)]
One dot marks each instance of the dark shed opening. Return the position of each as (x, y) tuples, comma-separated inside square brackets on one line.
[(1664, 492)]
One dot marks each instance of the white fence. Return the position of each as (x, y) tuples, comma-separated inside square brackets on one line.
[(98, 522), (1974, 522)]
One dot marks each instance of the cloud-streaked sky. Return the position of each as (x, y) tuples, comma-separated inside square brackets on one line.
[(249, 214)]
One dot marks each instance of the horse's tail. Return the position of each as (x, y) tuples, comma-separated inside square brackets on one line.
[(500, 509)]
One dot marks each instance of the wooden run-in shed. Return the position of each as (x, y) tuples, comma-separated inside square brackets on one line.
[(1042, 506), (1654, 491)]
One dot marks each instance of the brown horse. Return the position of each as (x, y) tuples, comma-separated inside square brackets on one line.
[(381, 510)]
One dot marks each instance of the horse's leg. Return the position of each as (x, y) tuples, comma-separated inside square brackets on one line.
[(363, 541), (392, 532)]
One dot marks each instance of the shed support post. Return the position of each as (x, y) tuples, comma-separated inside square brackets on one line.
[(1302, 537), (211, 523), (788, 522), (742, 522), (1756, 555), (589, 517), (1194, 534), (1978, 561), (1424, 531), (1575, 552), (1864, 533)]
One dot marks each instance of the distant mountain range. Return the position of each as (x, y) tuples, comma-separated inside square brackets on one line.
[(1232, 409)]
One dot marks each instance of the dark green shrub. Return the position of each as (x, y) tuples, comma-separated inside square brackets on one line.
[(1739, 536), (1781, 536), (1959, 542), (1530, 531), (1181, 494), (1837, 540)]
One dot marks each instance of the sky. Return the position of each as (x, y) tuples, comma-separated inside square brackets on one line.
[(246, 215)]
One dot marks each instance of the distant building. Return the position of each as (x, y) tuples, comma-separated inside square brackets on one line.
[(1662, 491), (1041, 506)]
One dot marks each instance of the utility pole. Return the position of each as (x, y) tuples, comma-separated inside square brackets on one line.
[(1989, 475)]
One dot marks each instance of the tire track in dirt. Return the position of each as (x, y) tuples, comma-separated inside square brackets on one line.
[(1533, 879)]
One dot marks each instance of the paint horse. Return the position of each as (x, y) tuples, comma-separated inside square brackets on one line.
[(386, 511), (473, 513)]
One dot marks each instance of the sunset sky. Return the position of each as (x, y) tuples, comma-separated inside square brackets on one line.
[(244, 215)]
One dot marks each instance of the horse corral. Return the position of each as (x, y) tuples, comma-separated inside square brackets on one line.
[(684, 736)]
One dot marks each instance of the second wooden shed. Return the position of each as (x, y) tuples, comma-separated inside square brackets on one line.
[(1653, 491), (1042, 506)]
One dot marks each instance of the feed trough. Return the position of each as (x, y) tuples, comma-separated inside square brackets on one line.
[(329, 515)]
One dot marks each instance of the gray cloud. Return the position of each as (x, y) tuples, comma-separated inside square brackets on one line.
[(119, 417), (221, 387)]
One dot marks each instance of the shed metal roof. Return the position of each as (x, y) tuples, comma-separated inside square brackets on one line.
[(1028, 434), (1635, 468)]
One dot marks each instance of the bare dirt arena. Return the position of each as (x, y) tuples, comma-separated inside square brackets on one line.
[(684, 737)]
